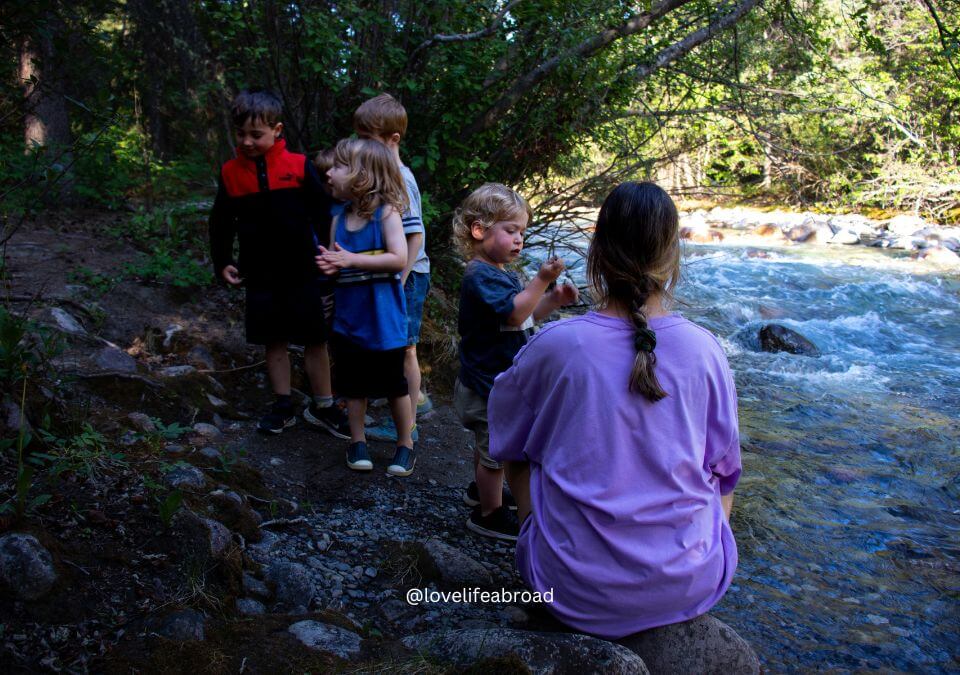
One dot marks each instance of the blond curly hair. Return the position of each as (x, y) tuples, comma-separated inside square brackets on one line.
[(374, 176), (488, 204)]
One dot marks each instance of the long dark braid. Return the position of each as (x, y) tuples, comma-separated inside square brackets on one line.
[(634, 255)]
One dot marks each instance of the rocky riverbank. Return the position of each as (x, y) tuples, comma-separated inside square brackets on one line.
[(160, 532), (926, 241)]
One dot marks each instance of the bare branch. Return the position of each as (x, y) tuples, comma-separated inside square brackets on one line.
[(585, 49), (717, 23), (944, 32), (466, 37)]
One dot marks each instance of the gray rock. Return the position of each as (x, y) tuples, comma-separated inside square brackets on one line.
[(905, 225), (250, 607), (325, 637), (294, 587), (220, 537), (844, 237), (940, 256), (207, 431), (142, 422), (114, 359), (11, 417), (186, 476), (266, 544), (210, 453), (26, 567), (542, 653), (216, 402), (453, 567), (177, 371), (186, 625), (255, 588), (777, 338), (802, 232), (66, 322), (174, 450), (200, 357)]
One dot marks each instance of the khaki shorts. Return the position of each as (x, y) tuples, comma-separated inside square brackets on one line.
[(472, 409)]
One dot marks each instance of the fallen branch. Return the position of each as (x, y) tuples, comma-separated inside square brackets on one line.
[(283, 521)]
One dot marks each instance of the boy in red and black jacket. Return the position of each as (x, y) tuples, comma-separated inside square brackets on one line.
[(273, 202)]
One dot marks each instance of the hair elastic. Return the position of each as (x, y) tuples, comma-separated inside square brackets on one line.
[(645, 340)]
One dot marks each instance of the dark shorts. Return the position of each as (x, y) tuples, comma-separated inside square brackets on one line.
[(363, 373), (293, 315), (415, 291)]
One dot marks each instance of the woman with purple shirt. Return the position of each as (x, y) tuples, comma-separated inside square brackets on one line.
[(619, 429)]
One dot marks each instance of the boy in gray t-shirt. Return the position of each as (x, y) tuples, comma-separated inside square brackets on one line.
[(384, 119)]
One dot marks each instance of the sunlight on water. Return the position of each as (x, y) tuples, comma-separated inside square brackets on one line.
[(848, 513)]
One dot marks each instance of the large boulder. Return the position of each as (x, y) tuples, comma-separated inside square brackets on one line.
[(905, 225), (777, 338), (26, 567), (541, 653)]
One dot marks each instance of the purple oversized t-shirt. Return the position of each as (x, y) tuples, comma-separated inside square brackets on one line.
[(626, 524)]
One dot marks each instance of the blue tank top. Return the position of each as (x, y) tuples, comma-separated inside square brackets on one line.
[(370, 306)]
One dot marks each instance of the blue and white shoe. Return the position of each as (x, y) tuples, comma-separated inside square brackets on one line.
[(404, 459), (358, 458)]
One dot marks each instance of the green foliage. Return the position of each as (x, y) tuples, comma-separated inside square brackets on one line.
[(168, 507), (86, 453), (26, 350), (173, 243)]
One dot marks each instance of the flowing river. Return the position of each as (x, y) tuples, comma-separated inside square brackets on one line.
[(847, 516)]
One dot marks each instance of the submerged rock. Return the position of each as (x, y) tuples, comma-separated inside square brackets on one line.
[(26, 567), (777, 338), (542, 653)]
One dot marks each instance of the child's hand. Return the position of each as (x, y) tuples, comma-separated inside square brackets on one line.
[(551, 269), (336, 259), (231, 275), (325, 267), (566, 294)]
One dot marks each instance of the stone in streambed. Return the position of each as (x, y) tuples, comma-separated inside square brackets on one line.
[(777, 338)]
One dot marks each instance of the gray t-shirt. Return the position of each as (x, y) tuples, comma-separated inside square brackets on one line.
[(413, 220)]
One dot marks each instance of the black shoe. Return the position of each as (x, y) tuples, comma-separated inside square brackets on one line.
[(331, 418), (472, 496), (278, 419), (403, 462), (500, 524), (358, 458)]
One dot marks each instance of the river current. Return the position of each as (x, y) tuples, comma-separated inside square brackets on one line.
[(847, 516)]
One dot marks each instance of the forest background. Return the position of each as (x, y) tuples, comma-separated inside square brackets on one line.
[(832, 104)]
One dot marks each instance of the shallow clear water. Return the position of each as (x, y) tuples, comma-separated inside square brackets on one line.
[(847, 517)]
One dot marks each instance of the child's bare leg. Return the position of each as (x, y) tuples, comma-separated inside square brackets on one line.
[(411, 371), (356, 410), (490, 487), (518, 478), (402, 419), (278, 368), (316, 361)]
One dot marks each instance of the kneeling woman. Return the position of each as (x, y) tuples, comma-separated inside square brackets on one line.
[(620, 432)]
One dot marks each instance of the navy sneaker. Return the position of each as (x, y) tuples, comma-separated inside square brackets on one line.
[(331, 418), (403, 462), (358, 458), (472, 496), (278, 419), (501, 523)]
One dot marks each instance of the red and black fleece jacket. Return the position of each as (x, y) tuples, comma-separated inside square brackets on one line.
[(276, 207)]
